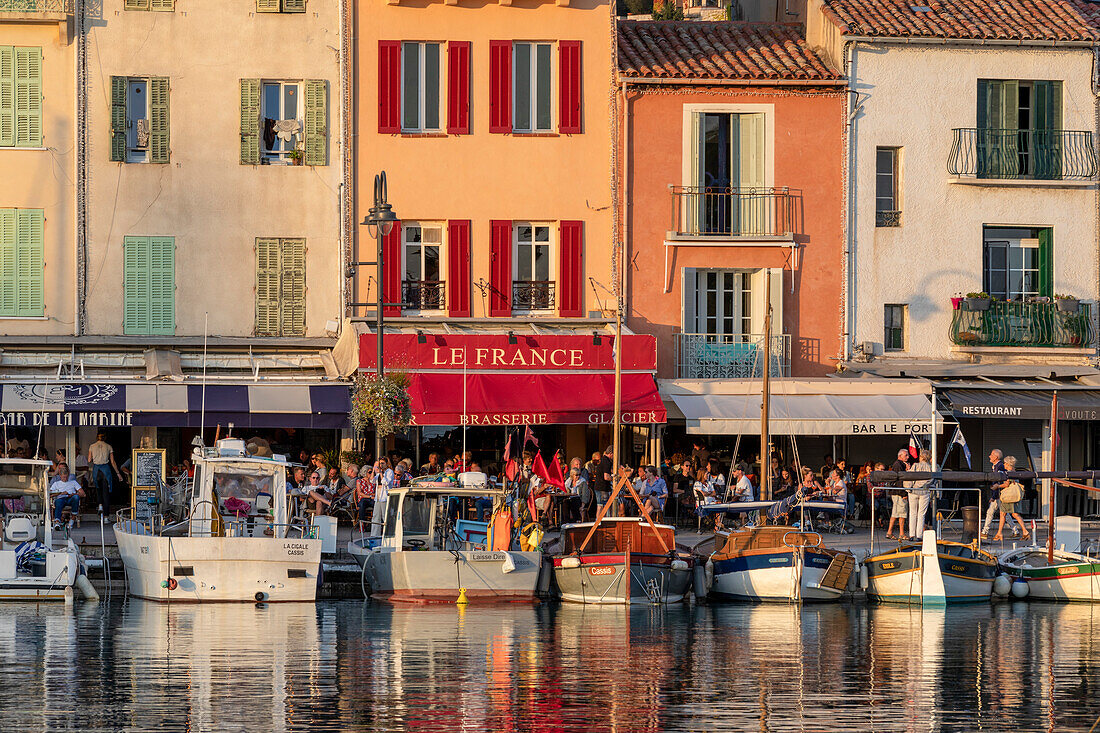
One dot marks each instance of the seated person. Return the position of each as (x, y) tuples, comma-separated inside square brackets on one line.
[(316, 500), (65, 492), (654, 491), (364, 496)]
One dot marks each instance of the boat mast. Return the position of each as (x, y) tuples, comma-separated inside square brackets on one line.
[(765, 453), (1053, 461)]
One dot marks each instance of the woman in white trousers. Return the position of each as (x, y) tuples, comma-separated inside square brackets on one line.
[(919, 496)]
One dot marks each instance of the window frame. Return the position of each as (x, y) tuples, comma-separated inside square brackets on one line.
[(552, 244), (532, 88), (741, 296), (283, 330), (1010, 238), (441, 226), (889, 327), (888, 217), (282, 157), (421, 127), (135, 154)]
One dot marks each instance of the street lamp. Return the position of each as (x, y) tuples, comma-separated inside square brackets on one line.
[(380, 220)]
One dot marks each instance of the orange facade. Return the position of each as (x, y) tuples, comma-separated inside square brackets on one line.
[(697, 255)]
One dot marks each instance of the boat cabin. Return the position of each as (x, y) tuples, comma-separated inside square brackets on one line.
[(618, 534), (28, 546), (238, 495), (436, 517), (770, 537)]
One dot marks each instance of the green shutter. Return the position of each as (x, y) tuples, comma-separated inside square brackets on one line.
[(28, 97), (162, 285), (998, 118), (164, 6), (1046, 142), (267, 286), (8, 276), (118, 118), (292, 288), (250, 121), (159, 150), (267, 6), (29, 297), (316, 122), (294, 6), (1046, 262), (136, 4), (7, 96), (135, 285)]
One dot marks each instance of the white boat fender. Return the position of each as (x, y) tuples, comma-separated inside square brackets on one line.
[(680, 565), (709, 568), (1002, 585), (570, 562), (86, 588), (509, 564), (864, 577), (68, 596), (1020, 588)]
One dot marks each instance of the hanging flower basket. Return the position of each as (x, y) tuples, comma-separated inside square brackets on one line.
[(380, 402)]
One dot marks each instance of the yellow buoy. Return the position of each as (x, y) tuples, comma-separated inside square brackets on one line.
[(462, 597)]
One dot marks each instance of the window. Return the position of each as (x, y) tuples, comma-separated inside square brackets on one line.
[(1018, 262), (533, 87), (723, 302), (420, 87), (280, 287), (149, 286), (894, 317), (533, 287), (280, 6), (1019, 129), (727, 195), (284, 122), (887, 205), (158, 5), (422, 286), (139, 119), (20, 96), (21, 263)]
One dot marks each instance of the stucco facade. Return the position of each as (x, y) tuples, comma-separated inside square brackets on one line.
[(44, 177), (484, 176), (213, 205)]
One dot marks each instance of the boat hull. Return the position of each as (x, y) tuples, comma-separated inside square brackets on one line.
[(434, 576), (602, 578), (773, 576), (1073, 577), (219, 569), (896, 578)]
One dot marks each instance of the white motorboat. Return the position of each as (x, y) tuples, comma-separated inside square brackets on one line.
[(37, 561), (235, 542), (428, 553)]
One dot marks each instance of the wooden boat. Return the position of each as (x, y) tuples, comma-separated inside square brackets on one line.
[(37, 561), (776, 563), (627, 560), (235, 542), (1071, 577), (932, 572)]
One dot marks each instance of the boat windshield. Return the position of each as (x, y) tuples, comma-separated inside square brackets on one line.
[(21, 488), (237, 489)]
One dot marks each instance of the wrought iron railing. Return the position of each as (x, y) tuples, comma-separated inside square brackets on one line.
[(532, 295), (1065, 155), (887, 218), (730, 356), (716, 211), (37, 6), (425, 295), (1022, 324)]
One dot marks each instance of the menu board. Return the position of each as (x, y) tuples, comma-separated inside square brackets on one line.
[(147, 468)]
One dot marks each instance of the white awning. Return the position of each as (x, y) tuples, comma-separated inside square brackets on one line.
[(804, 407)]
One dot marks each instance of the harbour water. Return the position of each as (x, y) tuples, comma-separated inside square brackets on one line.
[(349, 665)]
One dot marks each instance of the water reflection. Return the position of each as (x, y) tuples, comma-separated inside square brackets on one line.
[(354, 666)]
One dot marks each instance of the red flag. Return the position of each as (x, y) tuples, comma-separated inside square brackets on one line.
[(529, 437), (511, 468), (539, 469), (914, 447), (553, 473), (508, 449)]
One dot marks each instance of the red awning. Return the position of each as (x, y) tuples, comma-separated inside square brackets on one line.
[(533, 399)]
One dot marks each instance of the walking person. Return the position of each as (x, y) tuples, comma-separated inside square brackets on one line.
[(1010, 492), (919, 495), (996, 459), (101, 457)]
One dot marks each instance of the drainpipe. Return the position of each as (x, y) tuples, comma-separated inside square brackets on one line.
[(848, 290), (81, 29), (1096, 230)]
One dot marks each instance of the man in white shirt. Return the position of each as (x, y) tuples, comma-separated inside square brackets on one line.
[(65, 491), (101, 456), (742, 485)]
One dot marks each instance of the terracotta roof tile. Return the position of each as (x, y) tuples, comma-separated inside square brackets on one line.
[(718, 50), (1013, 20)]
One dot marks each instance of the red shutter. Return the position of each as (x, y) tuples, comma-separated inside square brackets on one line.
[(500, 268), (458, 268), (571, 269), (389, 87), (500, 86), (391, 271), (569, 90), (458, 87)]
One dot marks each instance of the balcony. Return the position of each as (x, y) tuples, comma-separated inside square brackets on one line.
[(35, 9), (734, 212), (1035, 155), (423, 295), (532, 295), (1022, 324), (730, 356)]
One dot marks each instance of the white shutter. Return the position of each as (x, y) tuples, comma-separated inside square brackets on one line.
[(688, 295)]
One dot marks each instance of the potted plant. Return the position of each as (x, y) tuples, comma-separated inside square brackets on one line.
[(956, 300), (295, 157), (1067, 303), (978, 301), (381, 403)]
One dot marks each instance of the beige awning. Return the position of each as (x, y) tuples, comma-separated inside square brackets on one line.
[(803, 406)]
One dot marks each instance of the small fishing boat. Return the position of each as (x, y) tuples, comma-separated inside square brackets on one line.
[(931, 572), (430, 553), (1071, 577), (234, 542), (622, 560), (37, 561), (776, 563)]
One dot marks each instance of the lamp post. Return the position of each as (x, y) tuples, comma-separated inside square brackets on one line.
[(380, 220)]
